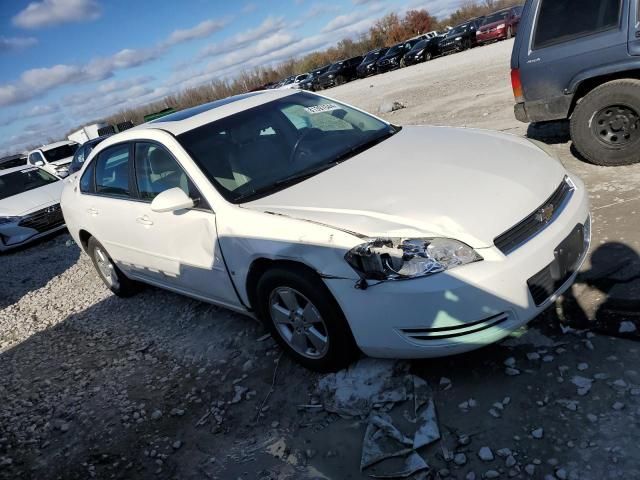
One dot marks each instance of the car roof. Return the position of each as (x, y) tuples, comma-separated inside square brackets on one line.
[(185, 120), (51, 146)]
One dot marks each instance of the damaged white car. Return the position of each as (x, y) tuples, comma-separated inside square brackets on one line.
[(29, 206), (337, 229)]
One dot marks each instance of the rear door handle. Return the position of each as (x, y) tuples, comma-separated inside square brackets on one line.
[(92, 211), (144, 220)]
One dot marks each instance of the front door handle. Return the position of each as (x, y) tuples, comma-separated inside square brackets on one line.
[(144, 220), (92, 211)]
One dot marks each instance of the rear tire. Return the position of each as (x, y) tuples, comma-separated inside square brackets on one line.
[(108, 271), (605, 125), (299, 311)]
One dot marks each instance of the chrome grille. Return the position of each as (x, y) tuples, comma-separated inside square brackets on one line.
[(537, 221), (43, 220)]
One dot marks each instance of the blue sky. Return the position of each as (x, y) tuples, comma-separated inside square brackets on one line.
[(67, 62)]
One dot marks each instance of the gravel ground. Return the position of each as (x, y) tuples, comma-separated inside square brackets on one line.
[(160, 386)]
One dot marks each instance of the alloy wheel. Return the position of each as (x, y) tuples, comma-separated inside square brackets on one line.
[(299, 322), (105, 267), (616, 125)]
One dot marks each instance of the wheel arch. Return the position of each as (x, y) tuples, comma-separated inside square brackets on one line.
[(587, 81), (260, 265), (84, 239)]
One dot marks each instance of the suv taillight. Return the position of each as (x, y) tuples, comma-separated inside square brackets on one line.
[(516, 84)]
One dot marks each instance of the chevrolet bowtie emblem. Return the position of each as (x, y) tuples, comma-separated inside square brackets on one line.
[(545, 214)]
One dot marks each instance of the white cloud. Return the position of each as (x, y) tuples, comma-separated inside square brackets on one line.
[(36, 82), (202, 30), (41, 110), (269, 26), (16, 43), (47, 13), (249, 8)]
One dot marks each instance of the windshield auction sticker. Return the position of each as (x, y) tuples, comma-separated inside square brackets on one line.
[(325, 107)]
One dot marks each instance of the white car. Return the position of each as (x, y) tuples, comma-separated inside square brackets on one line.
[(54, 158), (29, 206), (294, 82), (337, 229)]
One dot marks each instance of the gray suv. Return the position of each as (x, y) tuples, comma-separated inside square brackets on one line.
[(580, 59)]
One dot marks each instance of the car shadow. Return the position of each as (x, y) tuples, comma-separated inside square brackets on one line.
[(555, 132), (614, 275), (48, 257)]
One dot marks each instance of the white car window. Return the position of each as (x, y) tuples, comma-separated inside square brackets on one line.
[(112, 171), (157, 171)]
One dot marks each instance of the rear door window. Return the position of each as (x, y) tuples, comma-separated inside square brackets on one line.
[(561, 21), (112, 171)]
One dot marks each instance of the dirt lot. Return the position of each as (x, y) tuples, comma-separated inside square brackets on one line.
[(160, 386)]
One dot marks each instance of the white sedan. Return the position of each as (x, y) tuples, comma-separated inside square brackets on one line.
[(337, 229), (29, 206)]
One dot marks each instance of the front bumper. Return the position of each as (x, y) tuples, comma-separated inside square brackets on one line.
[(461, 310), (11, 239), (31, 227)]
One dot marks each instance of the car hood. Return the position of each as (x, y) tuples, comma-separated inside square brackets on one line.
[(467, 184), (31, 200)]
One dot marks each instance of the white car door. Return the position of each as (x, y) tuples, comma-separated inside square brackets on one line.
[(179, 250)]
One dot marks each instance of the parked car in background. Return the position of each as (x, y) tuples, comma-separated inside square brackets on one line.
[(459, 38), (580, 59), (311, 82), (340, 72), (368, 65), (54, 158), (290, 225), (29, 205), (82, 153), (499, 25), (393, 58), (296, 81), (13, 161), (423, 51)]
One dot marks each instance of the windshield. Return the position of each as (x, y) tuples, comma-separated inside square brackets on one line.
[(372, 56), (458, 30), (60, 153), (394, 50), (335, 66), (267, 148), (24, 180), (420, 45), (496, 17)]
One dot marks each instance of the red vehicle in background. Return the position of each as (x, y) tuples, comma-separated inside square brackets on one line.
[(499, 25)]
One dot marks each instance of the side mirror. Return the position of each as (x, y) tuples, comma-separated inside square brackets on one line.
[(39, 163), (172, 200)]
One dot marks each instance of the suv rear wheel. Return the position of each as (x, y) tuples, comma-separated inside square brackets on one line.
[(605, 125), (305, 319)]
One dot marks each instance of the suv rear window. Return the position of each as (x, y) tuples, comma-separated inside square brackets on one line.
[(563, 20)]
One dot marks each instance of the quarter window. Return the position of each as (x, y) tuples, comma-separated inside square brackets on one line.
[(157, 171), (112, 171), (587, 17), (86, 181)]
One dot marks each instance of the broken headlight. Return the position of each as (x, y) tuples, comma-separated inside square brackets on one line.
[(399, 258)]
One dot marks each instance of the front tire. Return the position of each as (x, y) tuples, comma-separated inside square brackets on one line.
[(305, 319), (108, 271), (605, 125)]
